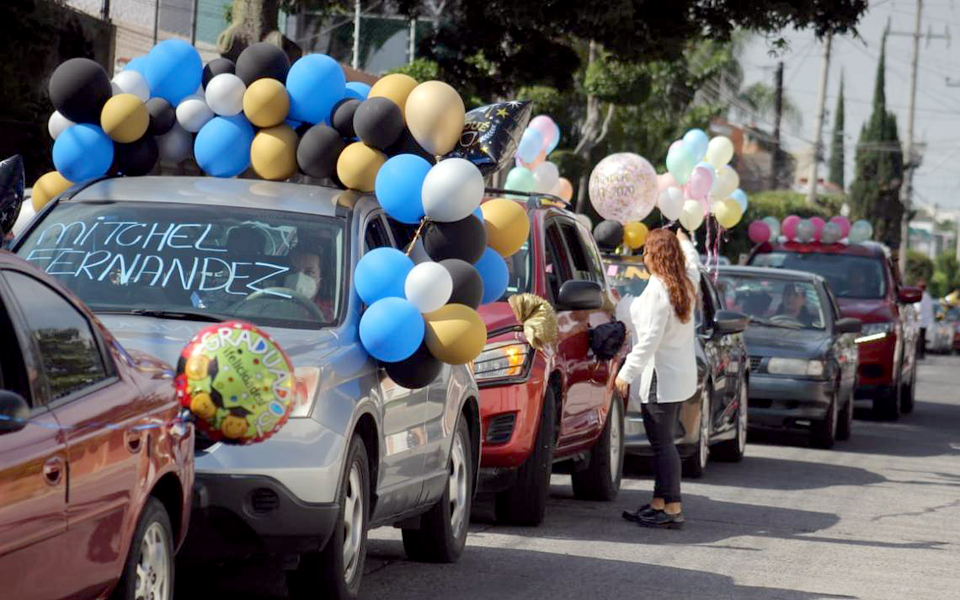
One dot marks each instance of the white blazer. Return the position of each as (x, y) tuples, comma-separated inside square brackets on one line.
[(661, 342)]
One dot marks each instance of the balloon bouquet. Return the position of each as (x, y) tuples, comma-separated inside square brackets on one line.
[(623, 190), (813, 230), (533, 172)]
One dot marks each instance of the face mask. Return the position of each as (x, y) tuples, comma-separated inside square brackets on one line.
[(302, 283)]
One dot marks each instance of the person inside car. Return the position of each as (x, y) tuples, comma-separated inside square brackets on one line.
[(793, 305), (304, 278)]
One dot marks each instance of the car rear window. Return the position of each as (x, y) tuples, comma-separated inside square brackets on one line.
[(849, 276)]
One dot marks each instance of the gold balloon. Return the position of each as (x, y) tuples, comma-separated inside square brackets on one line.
[(455, 334), (396, 87), (48, 187), (434, 115), (273, 153), (124, 118), (635, 235), (266, 103), (358, 165), (728, 213), (507, 225)]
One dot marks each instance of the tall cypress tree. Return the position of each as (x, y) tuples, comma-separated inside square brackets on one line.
[(875, 192), (836, 149)]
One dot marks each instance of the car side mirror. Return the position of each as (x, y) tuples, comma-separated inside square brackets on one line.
[(14, 412), (727, 322), (848, 325), (580, 295), (910, 295)]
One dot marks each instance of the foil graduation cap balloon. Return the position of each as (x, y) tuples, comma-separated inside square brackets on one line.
[(11, 191), (491, 134)]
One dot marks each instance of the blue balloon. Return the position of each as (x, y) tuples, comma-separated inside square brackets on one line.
[(222, 147), (138, 64), (478, 213), (530, 145), (391, 329), (82, 152), (315, 84), (695, 142), (493, 271), (741, 199), (173, 70), (556, 139), (381, 273), (358, 90), (398, 186)]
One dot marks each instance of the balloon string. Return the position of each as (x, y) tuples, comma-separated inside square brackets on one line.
[(416, 236)]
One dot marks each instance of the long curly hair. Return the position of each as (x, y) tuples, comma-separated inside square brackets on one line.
[(666, 262)]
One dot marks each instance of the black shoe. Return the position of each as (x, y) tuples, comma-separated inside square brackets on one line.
[(661, 520), (641, 512)]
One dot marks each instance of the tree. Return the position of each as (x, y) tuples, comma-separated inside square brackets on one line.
[(253, 21), (946, 277), (761, 100), (919, 268), (836, 148)]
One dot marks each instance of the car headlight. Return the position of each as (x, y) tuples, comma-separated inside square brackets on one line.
[(872, 332), (502, 359), (306, 382), (796, 366)]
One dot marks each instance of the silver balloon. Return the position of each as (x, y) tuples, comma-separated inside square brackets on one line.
[(806, 231), (831, 233), (860, 232)]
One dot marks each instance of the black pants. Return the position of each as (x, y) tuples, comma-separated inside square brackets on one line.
[(922, 343), (660, 422)]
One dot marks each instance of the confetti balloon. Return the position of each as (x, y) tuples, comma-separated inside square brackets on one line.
[(624, 187)]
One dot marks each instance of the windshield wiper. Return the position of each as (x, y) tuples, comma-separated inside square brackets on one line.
[(770, 323), (184, 315)]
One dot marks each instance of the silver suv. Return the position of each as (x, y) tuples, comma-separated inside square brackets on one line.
[(158, 258)]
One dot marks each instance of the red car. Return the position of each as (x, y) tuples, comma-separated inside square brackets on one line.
[(555, 405), (867, 287), (96, 467)]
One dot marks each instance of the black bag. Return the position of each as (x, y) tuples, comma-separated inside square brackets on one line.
[(607, 339)]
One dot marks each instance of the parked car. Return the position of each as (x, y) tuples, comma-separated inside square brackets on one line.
[(941, 333), (157, 258), (714, 420), (96, 467), (803, 352), (867, 287)]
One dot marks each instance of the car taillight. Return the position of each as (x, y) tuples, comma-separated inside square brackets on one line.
[(307, 380)]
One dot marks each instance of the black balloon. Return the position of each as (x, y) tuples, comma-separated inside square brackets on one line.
[(318, 151), (11, 191), (467, 283), (491, 135), (78, 90), (216, 67), (136, 158), (609, 235), (162, 116), (465, 239), (262, 60), (342, 117), (408, 145), (378, 122), (417, 371)]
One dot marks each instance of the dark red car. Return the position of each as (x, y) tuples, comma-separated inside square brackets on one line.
[(555, 405), (96, 467), (867, 287)]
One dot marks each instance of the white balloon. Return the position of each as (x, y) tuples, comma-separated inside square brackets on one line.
[(719, 151), (428, 286), (193, 113), (671, 203), (225, 94), (806, 231), (547, 175), (176, 145), (57, 124), (725, 183), (131, 82), (452, 190), (692, 216)]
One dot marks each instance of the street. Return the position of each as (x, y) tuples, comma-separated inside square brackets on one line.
[(874, 518)]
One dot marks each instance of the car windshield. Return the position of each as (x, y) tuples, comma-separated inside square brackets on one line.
[(773, 301), (194, 261), (520, 270), (628, 278), (849, 276)]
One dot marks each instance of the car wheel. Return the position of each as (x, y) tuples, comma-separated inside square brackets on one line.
[(601, 479), (908, 393), (824, 432), (148, 572), (733, 450), (887, 406), (696, 465), (526, 502), (336, 571), (845, 425), (443, 529)]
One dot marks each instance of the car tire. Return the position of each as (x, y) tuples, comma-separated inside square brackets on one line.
[(733, 450), (908, 393), (695, 466), (526, 502), (824, 432), (887, 406), (601, 479), (336, 570), (149, 570), (845, 424), (443, 529)]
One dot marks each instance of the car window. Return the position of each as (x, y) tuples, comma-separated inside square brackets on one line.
[(67, 345), (376, 235), (13, 374), (775, 300), (403, 233), (628, 278), (834, 305), (519, 271), (849, 276), (557, 266), (580, 262)]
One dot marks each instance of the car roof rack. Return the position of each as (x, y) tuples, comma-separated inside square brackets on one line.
[(534, 199)]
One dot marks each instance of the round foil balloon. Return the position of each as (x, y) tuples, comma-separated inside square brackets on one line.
[(237, 381), (624, 187)]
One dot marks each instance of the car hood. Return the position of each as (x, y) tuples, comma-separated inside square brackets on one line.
[(785, 343), (166, 338), (498, 316), (869, 311)]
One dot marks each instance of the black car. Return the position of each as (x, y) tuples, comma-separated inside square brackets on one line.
[(714, 420), (803, 354)]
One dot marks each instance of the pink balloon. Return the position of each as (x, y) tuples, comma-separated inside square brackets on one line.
[(623, 187), (563, 189), (759, 232), (547, 128), (666, 181), (818, 224), (789, 227), (844, 224), (699, 184)]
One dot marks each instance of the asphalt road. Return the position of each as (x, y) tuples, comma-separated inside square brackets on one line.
[(877, 517)]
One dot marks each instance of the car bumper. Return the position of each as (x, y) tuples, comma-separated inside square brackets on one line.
[(877, 360), (779, 402), (510, 415)]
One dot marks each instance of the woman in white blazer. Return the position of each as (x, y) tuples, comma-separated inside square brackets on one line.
[(663, 363)]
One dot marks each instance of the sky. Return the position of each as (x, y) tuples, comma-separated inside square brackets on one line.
[(937, 120)]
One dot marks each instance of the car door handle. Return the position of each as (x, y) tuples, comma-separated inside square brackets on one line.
[(53, 470)]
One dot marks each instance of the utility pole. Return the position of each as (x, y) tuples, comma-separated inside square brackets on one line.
[(156, 21), (778, 113), (356, 35), (818, 128), (193, 23), (413, 40), (105, 10)]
